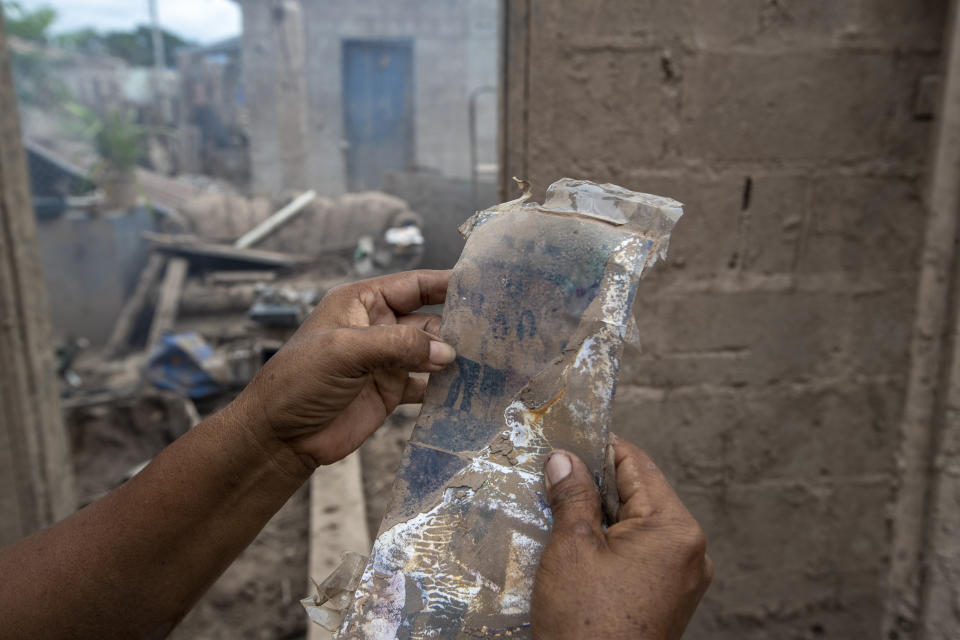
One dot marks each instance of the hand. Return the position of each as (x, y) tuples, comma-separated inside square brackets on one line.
[(347, 367), (641, 578)]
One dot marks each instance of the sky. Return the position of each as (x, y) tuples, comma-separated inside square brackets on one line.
[(203, 21)]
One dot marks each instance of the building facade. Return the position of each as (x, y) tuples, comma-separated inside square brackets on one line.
[(368, 87)]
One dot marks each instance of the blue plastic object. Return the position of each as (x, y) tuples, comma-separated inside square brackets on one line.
[(181, 362)]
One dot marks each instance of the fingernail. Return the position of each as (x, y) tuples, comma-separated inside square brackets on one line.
[(441, 353), (558, 467)]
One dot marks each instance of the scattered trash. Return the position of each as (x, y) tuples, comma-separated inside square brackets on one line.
[(335, 594), (185, 363)]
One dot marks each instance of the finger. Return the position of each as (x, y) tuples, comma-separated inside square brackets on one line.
[(408, 291), (414, 391), (360, 350), (429, 322), (574, 499), (644, 490)]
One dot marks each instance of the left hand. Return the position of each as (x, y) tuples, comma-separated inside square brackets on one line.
[(347, 367)]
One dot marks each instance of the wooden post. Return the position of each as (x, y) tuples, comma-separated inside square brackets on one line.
[(36, 477), (168, 302), (131, 309)]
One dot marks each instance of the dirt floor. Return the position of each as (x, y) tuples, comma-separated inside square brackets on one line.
[(258, 596)]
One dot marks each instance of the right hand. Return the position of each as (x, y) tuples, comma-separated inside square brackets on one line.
[(641, 578)]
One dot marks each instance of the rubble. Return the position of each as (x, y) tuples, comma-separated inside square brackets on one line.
[(538, 309)]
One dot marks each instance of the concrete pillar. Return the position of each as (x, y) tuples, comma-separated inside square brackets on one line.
[(36, 485), (274, 59)]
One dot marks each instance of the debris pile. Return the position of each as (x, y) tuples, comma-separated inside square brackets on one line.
[(207, 312)]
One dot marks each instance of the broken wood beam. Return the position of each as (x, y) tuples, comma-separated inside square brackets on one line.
[(168, 301), (134, 304), (221, 256), (274, 222)]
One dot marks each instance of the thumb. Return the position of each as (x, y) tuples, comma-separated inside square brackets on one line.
[(362, 350), (574, 499)]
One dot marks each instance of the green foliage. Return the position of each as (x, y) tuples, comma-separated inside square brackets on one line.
[(86, 40), (116, 136), (134, 47), (33, 76), (30, 25)]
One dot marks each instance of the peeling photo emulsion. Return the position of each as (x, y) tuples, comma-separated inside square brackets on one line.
[(538, 309)]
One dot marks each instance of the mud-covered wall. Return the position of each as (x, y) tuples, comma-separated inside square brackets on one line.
[(775, 340)]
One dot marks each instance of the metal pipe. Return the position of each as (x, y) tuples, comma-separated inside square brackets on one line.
[(473, 140)]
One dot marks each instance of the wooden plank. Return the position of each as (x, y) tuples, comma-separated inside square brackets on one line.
[(134, 304), (237, 277), (190, 247), (338, 522), (277, 220), (36, 483), (168, 302)]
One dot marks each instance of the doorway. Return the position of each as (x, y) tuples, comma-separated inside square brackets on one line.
[(378, 109)]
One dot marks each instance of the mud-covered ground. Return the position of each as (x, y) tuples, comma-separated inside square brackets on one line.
[(258, 596)]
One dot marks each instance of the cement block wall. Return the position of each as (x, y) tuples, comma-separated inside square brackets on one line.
[(770, 381), (454, 53), (90, 265)]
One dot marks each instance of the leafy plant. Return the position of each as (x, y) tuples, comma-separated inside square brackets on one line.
[(116, 136)]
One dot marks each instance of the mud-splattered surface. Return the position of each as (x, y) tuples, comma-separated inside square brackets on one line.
[(258, 595)]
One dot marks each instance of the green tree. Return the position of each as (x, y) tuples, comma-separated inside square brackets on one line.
[(30, 25), (33, 76), (135, 47)]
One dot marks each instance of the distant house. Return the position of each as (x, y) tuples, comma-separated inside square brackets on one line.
[(213, 136), (339, 92)]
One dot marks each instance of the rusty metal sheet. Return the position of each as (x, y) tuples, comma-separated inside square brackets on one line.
[(538, 310)]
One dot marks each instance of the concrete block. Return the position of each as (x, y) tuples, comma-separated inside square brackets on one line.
[(823, 106), (613, 119), (635, 23), (909, 133), (724, 24), (705, 437), (771, 211), (843, 430), (776, 572), (735, 339), (869, 226), (686, 434), (733, 221), (856, 523), (757, 532), (892, 24), (706, 241), (902, 24)]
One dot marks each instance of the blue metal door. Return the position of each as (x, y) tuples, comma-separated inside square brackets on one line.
[(378, 109)]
